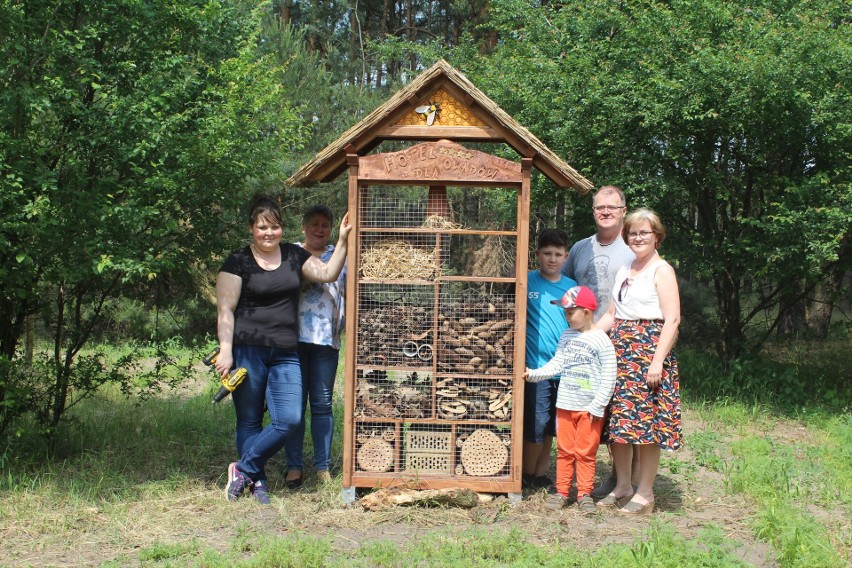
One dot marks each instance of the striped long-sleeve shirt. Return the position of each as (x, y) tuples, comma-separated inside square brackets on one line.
[(586, 365)]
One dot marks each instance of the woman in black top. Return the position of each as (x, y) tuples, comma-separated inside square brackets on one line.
[(257, 296)]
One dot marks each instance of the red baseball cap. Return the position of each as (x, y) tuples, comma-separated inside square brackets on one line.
[(577, 297)]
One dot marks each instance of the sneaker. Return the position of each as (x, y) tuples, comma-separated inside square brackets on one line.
[(556, 501), (587, 504), (258, 489), (237, 482)]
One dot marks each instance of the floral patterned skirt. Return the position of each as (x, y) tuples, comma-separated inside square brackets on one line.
[(638, 414)]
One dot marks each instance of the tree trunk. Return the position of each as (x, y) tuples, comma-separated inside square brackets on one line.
[(791, 311), (732, 342), (820, 306), (354, 54), (284, 14)]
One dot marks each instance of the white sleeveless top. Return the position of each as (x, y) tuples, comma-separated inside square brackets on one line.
[(639, 299)]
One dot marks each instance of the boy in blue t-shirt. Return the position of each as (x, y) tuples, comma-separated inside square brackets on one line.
[(545, 324)]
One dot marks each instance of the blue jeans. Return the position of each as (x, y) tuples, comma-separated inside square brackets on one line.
[(540, 410), (319, 367), (274, 377)]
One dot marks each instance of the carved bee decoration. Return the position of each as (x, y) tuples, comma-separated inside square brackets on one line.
[(429, 112)]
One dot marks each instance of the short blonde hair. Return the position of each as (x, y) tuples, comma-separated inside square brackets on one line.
[(644, 214)]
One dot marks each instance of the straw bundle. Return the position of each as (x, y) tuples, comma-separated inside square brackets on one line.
[(439, 222), (397, 260)]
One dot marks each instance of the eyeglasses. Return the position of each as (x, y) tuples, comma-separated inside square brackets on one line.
[(602, 208), (635, 235), (622, 292)]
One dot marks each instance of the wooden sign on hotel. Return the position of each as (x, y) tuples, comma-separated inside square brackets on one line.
[(442, 160)]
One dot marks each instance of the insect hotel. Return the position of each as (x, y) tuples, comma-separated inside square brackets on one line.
[(436, 289)]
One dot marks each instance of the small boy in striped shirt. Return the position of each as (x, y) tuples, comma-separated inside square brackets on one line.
[(585, 361)]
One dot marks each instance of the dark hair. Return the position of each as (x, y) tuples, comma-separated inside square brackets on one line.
[(315, 210), (553, 237), (264, 206)]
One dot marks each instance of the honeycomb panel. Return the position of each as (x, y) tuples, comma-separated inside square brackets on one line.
[(452, 113)]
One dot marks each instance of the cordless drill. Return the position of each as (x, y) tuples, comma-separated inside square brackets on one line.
[(229, 383)]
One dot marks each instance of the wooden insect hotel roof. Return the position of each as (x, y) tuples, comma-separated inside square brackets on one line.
[(466, 114)]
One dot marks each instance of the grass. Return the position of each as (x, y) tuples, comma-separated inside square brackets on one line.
[(140, 483)]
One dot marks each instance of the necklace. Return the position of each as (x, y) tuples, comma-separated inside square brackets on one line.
[(600, 244)]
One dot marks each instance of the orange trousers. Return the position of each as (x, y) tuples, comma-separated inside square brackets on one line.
[(578, 435)]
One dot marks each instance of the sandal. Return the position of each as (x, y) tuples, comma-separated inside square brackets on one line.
[(634, 508), (293, 483), (613, 502)]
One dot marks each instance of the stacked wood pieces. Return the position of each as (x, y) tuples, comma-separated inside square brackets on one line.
[(483, 453), (475, 343), (377, 396), (464, 399), (385, 331), (394, 259)]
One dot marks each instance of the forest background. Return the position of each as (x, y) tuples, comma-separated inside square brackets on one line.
[(132, 135)]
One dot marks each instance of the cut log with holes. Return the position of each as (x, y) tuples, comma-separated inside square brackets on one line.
[(483, 453), (375, 455)]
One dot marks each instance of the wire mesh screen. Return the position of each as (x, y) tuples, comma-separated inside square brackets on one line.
[(392, 207), (428, 448), (395, 325), (485, 256), (475, 329), (483, 451), (437, 449), (471, 399), (401, 256), (393, 394), (434, 351), (416, 207), (376, 447), (483, 208)]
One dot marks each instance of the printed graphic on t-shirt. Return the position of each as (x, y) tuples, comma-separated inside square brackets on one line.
[(578, 366)]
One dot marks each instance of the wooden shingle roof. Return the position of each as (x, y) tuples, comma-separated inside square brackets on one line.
[(467, 114)]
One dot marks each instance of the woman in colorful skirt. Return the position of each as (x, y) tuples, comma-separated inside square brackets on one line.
[(642, 320)]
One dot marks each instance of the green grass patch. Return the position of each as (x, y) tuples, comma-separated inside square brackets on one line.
[(660, 546), (151, 471)]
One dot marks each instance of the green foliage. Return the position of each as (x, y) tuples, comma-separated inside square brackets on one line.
[(784, 386), (725, 117), (131, 136)]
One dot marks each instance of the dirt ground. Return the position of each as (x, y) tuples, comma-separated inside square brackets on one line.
[(689, 501), (689, 497)]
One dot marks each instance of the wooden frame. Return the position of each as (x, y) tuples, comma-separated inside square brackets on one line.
[(475, 169)]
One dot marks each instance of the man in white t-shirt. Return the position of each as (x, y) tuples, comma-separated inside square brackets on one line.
[(594, 261)]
